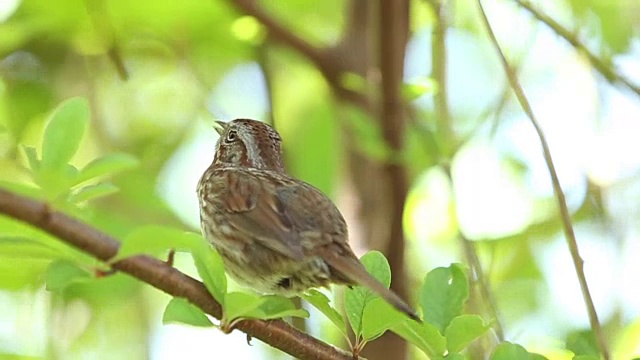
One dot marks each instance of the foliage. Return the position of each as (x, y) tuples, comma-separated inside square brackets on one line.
[(122, 152)]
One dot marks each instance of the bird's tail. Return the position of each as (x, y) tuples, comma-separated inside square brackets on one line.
[(352, 269)]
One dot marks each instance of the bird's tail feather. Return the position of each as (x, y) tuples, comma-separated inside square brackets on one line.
[(352, 269)]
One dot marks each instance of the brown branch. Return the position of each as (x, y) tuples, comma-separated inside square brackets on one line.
[(158, 274), (557, 189), (606, 71), (393, 27)]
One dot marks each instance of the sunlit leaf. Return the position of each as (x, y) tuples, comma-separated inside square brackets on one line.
[(321, 302), (91, 192), (378, 316), (211, 270), (106, 165), (463, 330), (583, 343), (32, 158), (64, 132), (62, 273), (24, 248), (425, 336), (275, 307), (154, 239), (240, 305), (510, 351), (416, 89), (444, 292), (179, 310), (358, 297)]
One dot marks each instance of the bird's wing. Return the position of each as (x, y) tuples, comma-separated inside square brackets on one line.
[(255, 209)]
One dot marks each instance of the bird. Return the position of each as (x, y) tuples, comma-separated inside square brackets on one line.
[(275, 234)]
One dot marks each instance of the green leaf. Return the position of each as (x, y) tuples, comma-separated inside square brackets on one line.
[(179, 310), (211, 270), (22, 189), (357, 298), (378, 317), (25, 248), (509, 351), (582, 343), (412, 91), (425, 336), (32, 158), (91, 192), (64, 132), (444, 292), (106, 165), (321, 302), (241, 305), (154, 239), (585, 357), (463, 330), (62, 273), (275, 307)]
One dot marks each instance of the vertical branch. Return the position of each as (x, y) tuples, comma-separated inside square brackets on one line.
[(557, 189), (394, 26)]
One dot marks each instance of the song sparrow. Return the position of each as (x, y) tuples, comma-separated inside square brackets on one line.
[(275, 234)]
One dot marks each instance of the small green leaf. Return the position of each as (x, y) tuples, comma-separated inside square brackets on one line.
[(414, 90), (23, 189), (154, 239), (179, 310), (32, 158), (241, 305), (509, 351), (354, 82), (585, 357), (211, 270), (276, 307), (18, 247), (357, 298), (64, 132), (444, 292), (378, 317), (463, 330), (62, 273), (106, 165), (91, 192), (321, 302), (582, 343), (425, 336)]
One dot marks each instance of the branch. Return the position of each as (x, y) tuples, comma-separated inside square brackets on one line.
[(280, 34), (610, 74), (393, 27), (329, 61), (156, 273), (562, 204)]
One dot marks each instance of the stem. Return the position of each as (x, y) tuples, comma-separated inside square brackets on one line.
[(607, 72), (557, 189)]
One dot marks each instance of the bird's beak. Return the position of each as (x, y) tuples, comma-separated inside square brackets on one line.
[(220, 127)]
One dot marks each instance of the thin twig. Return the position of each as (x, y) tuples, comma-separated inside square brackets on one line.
[(606, 71), (557, 189), (158, 274)]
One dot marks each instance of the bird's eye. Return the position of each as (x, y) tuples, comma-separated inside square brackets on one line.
[(231, 136)]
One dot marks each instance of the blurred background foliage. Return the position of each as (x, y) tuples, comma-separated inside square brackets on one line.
[(156, 73)]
